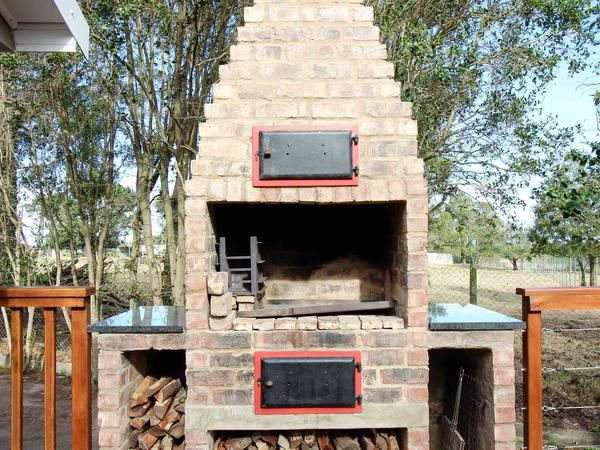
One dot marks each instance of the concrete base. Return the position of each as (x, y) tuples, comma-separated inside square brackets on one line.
[(237, 417)]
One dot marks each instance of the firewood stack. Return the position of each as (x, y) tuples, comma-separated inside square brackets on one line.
[(310, 440), (156, 411)]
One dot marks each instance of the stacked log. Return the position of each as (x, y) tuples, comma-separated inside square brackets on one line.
[(309, 440), (157, 415)]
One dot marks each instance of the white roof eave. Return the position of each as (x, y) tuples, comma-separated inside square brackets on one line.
[(75, 21), (23, 35)]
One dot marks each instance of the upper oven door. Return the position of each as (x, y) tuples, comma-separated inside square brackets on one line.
[(306, 155), (301, 155)]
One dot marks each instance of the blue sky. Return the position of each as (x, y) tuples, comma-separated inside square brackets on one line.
[(571, 100)]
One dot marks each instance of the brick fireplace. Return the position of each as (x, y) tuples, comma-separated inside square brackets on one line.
[(313, 64)]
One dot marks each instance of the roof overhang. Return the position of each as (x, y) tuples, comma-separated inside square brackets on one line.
[(43, 26)]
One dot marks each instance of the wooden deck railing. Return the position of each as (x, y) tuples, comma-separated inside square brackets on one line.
[(534, 302), (51, 298)]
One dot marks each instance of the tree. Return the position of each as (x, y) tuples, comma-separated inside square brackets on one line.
[(475, 72), (515, 244), (567, 217), (68, 141), (170, 51), (466, 228)]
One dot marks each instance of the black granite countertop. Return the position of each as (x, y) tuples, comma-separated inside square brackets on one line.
[(143, 320), (457, 317)]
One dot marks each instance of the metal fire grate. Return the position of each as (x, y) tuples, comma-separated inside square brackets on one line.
[(461, 426)]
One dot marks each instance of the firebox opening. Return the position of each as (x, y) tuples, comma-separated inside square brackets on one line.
[(354, 439), (155, 396), (316, 253), (158, 363), (461, 398)]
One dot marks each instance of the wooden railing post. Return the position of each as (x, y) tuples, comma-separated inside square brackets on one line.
[(50, 298), (532, 377), (16, 379), (50, 378), (534, 302), (81, 378)]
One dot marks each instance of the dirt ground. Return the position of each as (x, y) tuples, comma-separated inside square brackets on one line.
[(33, 426)]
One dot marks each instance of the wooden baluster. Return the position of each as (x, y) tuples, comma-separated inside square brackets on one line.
[(16, 380), (532, 384), (49, 379), (81, 378)]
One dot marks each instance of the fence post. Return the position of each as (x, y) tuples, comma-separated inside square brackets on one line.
[(473, 284), (532, 377)]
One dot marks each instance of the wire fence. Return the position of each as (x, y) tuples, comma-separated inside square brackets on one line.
[(496, 283), (33, 327)]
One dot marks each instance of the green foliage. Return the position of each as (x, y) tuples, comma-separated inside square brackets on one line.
[(465, 228), (476, 72), (119, 217), (568, 210), (515, 244)]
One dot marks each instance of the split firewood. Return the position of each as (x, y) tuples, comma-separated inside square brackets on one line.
[(237, 443), (160, 408), (366, 443), (392, 442), (133, 438), (179, 400), (139, 422), (139, 397), (283, 442), (270, 439), (166, 443), (157, 386), (177, 430), (154, 421), (310, 438), (169, 420), (324, 442), (168, 390), (262, 445), (157, 431), (146, 440), (140, 410), (295, 439), (381, 442), (345, 442)]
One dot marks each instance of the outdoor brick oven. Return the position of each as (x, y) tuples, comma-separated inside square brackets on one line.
[(311, 240)]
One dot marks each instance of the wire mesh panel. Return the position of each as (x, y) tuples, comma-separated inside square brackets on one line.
[(33, 333), (450, 436), (469, 407)]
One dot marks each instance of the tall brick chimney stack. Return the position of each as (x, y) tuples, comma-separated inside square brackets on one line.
[(309, 62)]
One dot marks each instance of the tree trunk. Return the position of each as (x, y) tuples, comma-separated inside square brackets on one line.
[(171, 243), (592, 265), (153, 267), (581, 264), (6, 327), (178, 288), (134, 258), (515, 263), (28, 350), (72, 250)]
